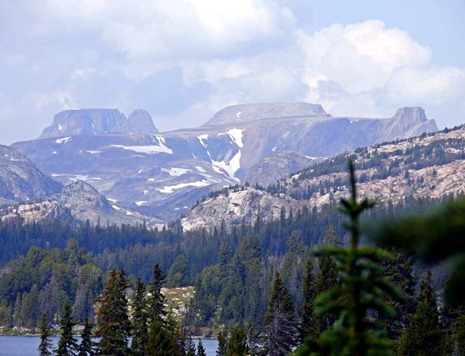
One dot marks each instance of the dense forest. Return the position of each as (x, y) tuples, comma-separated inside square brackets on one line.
[(251, 283)]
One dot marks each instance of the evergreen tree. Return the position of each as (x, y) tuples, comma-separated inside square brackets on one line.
[(190, 349), (222, 344), (280, 321), (45, 342), (237, 342), (139, 320), (67, 344), (200, 349), (178, 275), (160, 341), (424, 336), (357, 296), (156, 300), (308, 320), (326, 280), (86, 347), (114, 326)]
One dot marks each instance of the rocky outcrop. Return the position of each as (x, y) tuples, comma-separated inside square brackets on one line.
[(20, 180), (250, 112), (277, 166), (98, 121), (78, 202), (236, 206)]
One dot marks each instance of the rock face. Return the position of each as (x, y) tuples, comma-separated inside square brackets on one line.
[(277, 166), (237, 206), (20, 180), (162, 175), (79, 202), (98, 121)]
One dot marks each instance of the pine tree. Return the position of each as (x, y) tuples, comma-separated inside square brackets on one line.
[(86, 347), (424, 336), (200, 349), (237, 342), (160, 341), (139, 320), (326, 279), (114, 326), (280, 320), (156, 300), (190, 350), (308, 320), (222, 344), (67, 344), (45, 345), (357, 296)]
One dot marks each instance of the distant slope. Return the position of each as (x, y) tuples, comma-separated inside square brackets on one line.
[(20, 180)]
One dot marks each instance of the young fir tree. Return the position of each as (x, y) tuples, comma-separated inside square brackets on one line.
[(114, 327), (237, 342), (222, 344), (424, 336), (161, 340), (67, 344), (308, 320), (280, 321), (86, 347), (357, 296), (200, 349), (190, 348), (45, 345), (139, 320)]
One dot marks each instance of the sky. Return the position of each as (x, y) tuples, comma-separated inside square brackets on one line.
[(183, 60)]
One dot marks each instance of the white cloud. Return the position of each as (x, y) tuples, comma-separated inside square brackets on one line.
[(368, 69)]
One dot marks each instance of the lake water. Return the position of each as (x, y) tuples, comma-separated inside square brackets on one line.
[(27, 345)]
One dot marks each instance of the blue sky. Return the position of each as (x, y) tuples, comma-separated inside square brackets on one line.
[(183, 60)]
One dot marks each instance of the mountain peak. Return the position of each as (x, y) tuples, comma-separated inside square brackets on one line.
[(251, 112), (413, 114), (98, 121)]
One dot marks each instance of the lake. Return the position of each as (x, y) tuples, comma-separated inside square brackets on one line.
[(27, 345)]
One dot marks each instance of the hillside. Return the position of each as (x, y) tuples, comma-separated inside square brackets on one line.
[(429, 166)]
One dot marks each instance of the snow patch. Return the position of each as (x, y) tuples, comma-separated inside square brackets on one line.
[(146, 149), (54, 152), (63, 140), (200, 169), (93, 152), (141, 202), (238, 114), (175, 172), (274, 148), (170, 189), (236, 136), (116, 207), (60, 127), (202, 139)]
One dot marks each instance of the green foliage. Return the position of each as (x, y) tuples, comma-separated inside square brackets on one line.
[(67, 345), (178, 275), (114, 326), (237, 342), (200, 349), (424, 336), (139, 320), (45, 345), (358, 294), (308, 326), (280, 321), (86, 347), (433, 237)]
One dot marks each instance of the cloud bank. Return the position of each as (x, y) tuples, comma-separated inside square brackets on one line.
[(183, 60)]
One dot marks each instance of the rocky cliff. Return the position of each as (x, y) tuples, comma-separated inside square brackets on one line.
[(98, 121)]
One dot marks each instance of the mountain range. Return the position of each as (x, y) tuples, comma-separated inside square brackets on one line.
[(162, 175)]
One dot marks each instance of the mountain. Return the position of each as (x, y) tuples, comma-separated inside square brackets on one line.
[(162, 175), (428, 166), (77, 202), (20, 180), (98, 121)]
